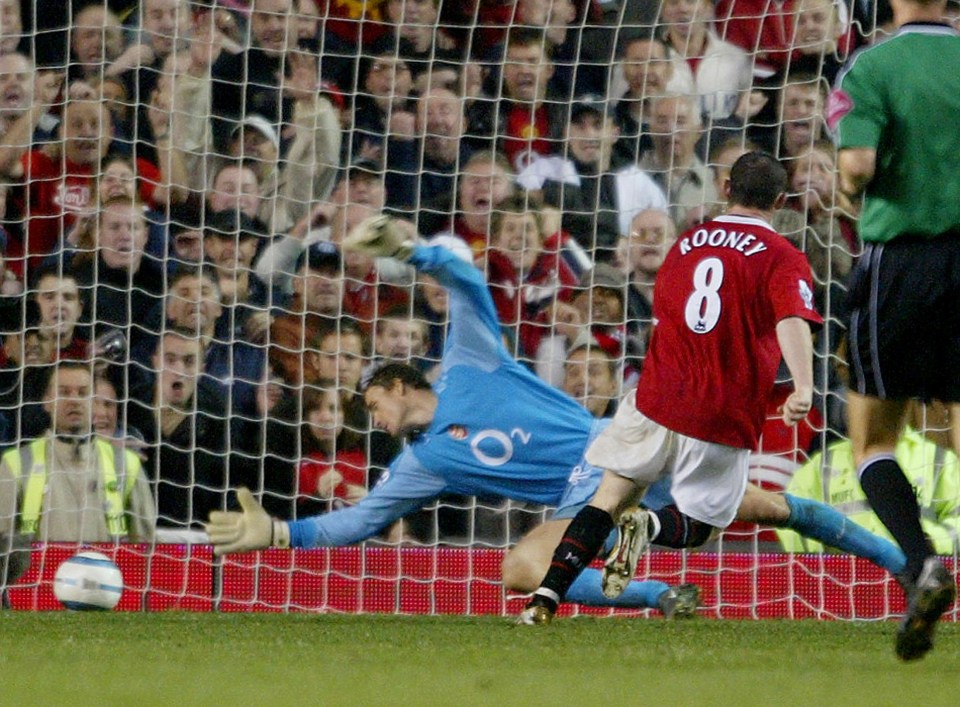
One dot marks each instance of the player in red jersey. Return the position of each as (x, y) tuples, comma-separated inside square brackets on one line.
[(731, 297)]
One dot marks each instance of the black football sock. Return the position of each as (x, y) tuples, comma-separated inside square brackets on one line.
[(580, 544), (895, 503), (679, 530)]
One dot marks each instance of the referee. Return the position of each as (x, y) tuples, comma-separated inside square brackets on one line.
[(895, 113)]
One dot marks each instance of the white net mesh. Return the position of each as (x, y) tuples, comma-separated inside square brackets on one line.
[(177, 176)]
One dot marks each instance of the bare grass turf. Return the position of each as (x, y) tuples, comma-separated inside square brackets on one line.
[(241, 659)]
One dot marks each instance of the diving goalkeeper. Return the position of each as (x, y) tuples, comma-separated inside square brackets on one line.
[(491, 427)]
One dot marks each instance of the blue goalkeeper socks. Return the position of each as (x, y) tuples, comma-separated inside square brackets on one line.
[(638, 595), (819, 521)]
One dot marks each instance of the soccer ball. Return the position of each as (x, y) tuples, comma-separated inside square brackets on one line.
[(88, 581)]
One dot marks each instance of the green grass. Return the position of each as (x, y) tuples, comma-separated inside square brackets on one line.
[(187, 659)]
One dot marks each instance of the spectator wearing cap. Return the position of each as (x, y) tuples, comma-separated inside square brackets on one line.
[(601, 302), (360, 192), (422, 168), (253, 81), (256, 142), (318, 288), (231, 240), (596, 204), (308, 171)]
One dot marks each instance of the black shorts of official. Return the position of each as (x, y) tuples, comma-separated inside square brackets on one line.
[(904, 328)]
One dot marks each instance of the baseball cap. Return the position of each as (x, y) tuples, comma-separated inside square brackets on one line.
[(230, 223), (184, 217), (604, 275), (261, 125), (322, 255), (363, 167), (588, 103)]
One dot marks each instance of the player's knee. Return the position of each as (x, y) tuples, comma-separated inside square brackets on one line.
[(763, 507)]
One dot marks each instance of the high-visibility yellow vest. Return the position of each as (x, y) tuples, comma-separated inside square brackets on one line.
[(33, 457)]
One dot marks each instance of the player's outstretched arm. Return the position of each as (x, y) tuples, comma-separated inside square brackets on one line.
[(405, 487), (796, 345)]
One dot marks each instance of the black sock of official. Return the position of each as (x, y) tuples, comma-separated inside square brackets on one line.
[(895, 503), (580, 544), (678, 530)]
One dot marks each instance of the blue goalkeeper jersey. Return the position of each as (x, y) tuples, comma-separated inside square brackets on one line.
[(498, 429)]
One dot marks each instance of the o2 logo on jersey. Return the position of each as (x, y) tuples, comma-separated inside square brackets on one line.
[(702, 311), (494, 447)]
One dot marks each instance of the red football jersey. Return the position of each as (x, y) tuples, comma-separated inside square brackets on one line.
[(714, 354)]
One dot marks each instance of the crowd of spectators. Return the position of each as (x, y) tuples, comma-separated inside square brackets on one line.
[(176, 176)]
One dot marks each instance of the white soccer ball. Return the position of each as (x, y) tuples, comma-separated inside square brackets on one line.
[(88, 581)]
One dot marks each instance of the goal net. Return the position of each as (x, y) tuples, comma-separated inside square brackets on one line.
[(179, 320)]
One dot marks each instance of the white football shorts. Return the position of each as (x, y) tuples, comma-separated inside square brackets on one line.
[(708, 479)]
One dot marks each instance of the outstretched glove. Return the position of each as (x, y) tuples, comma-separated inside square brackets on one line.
[(246, 530), (381, 237)]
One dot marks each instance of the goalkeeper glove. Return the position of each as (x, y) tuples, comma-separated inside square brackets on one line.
[(246, 530), (382, 237)]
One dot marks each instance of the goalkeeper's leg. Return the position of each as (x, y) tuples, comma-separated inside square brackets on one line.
[(819, 521)]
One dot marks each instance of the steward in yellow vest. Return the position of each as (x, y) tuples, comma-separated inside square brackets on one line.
[(934, 473), (72, 485)]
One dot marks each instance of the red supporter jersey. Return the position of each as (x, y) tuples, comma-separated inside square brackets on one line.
[(57, 192), (713, 354), (526, 134)]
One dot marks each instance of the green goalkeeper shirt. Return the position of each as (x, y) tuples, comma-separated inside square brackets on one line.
[(901, 97)]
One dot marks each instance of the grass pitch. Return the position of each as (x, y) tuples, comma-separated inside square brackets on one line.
[(241, 659)]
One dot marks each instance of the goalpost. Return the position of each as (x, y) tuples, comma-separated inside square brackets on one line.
[(342, 110)]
